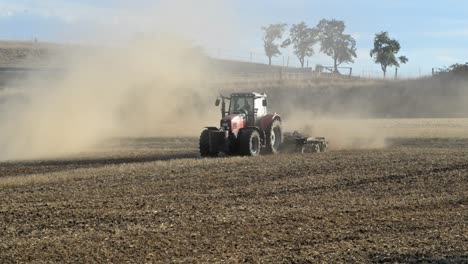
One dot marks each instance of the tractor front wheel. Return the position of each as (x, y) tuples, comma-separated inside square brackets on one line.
[(205, 145), (250, 143)]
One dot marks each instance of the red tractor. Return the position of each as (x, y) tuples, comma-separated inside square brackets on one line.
[(246, 128)]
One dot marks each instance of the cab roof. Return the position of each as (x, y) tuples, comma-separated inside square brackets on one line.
[(251, 94)]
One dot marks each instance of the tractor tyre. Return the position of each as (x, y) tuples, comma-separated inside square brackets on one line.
[(274, 137), (250, 143), (205, 145)]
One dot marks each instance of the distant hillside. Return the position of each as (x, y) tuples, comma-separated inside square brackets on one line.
[(290, 90), (20, 58), (230, 66), (26, 54), (30, 54)]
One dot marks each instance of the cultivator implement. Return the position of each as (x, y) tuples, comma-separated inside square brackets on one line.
[(299, 143)]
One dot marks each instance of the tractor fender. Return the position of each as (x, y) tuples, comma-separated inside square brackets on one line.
[(211, 128), (268, 119)]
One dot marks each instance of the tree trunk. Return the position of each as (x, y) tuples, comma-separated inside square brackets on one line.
[(396, 73), (301, 60), (384, 69), (269, 60), (335, 65)]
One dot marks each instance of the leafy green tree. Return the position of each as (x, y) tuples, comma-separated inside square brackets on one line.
[(303, 39), (335, 43), (272, 34), (457, 69), (401, 60), (460, 69), (385, 50)]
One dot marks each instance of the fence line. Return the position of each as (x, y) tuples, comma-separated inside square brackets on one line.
[(288, 60), (276, 77)]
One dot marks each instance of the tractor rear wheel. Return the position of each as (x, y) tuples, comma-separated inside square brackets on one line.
[(205, 145), (250, 142), (274, 137)]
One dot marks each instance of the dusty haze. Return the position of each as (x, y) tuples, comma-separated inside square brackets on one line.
[(363, 113), (160, 84), (152, 85), (149, 88)]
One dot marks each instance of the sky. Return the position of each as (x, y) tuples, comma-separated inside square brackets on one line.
[(431, 33)]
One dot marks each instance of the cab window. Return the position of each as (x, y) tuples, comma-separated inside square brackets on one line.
[(240, 103)]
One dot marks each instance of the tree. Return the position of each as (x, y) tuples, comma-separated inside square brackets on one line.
[(334, 43), (303, 39), (459, 70), (272, 34), (401, 60), (385, 50)]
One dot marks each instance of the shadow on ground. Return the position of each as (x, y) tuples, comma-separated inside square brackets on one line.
[(17, 168)]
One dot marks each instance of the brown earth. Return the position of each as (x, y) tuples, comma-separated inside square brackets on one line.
[(153, 200)]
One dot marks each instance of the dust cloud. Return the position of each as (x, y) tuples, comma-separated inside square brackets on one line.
[(360, 113), (342, 133), (149, 88), (160, 84), (152, 85)]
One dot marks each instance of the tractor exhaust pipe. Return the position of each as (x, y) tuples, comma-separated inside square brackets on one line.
[(223, 105), (223, 108)]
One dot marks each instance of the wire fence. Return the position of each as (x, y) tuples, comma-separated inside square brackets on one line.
[(291, 61), (274, 77), (254, 57)]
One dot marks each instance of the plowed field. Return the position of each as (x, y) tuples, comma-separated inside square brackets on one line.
[(154, 200)]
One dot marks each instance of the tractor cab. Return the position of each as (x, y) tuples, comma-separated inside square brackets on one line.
[(245, 128), (252, 106)]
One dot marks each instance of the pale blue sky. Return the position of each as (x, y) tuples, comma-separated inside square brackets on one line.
[(432, 33)]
